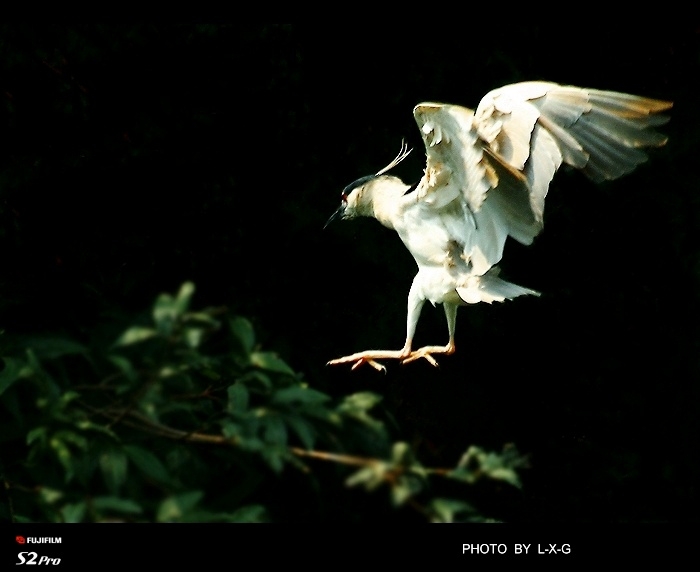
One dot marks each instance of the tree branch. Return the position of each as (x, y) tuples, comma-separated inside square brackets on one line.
[(140, 422)]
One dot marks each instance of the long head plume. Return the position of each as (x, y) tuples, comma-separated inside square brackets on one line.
[(403, 153), (350, 196)]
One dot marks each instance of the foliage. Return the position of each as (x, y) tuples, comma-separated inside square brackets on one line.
[(185, 418)]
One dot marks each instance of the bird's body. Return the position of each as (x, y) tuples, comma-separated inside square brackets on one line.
[(487, 175)]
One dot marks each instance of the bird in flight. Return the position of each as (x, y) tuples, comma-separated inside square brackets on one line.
[(487, 175)]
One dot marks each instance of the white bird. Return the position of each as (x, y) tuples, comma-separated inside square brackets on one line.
[(487, 176)]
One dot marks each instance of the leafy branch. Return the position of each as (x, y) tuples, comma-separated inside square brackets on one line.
[(198, 378)]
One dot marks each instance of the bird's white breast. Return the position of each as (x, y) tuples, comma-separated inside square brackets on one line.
[(436, 239)]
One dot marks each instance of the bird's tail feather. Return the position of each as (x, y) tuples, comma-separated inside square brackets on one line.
[(489, 288)]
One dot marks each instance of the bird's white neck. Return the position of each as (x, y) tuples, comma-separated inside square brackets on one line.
[(381, 199)]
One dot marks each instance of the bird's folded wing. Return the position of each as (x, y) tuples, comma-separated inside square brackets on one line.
[(519, 136)]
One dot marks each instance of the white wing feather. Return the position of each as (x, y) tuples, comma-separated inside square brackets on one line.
[(498, 161)]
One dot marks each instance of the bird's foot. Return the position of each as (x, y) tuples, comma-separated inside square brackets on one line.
[(426, 353), (369, 357)]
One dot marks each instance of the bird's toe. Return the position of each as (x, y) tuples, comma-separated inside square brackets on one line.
[(375, 364)]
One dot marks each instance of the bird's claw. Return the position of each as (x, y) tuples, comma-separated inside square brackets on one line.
[(413, 356), (369, 357), (357, 361), (375, 364)]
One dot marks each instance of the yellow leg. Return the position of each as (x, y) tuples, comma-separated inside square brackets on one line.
[(405, 355)]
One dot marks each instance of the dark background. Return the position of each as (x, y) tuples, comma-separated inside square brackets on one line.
[(135, 157)]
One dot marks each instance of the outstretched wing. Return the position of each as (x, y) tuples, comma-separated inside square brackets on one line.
[(498, 161)]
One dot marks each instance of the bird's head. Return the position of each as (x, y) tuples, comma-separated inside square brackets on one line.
[(356, 198), (353, 201)]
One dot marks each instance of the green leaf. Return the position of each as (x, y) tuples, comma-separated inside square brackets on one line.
[(21, 519), (74, 512), (165, 313), (175, 508), (49, 495), (370, 476), (411, 475), (472, 457), (116, 504), (251, 513), (125, 367), (33, 361), (464, 475), (36, 433), (193, 337), (64, 456), (113, 464), (73, 438), (203, 318), (447, 510), (404, 488), (274, 457), (299, 394), (504, 474), (477, 463), (242, 329), (51, 348), (12, 372), (85, 425), (270, 362), (231, 430), (147, 463), (361, 401), (67, 398), (304, 430), (274, 430), (238, 398), (257, 378), (251, 444), (168, 309), (182, 301), (401, 454), (409, 484), (357, 405), (134, 335)]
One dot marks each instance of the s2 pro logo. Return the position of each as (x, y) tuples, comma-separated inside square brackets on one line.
[(32, 558)]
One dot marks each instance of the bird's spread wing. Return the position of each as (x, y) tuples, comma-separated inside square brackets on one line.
[(498, 161)]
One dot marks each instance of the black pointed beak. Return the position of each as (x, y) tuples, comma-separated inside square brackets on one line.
[(336, 215)]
